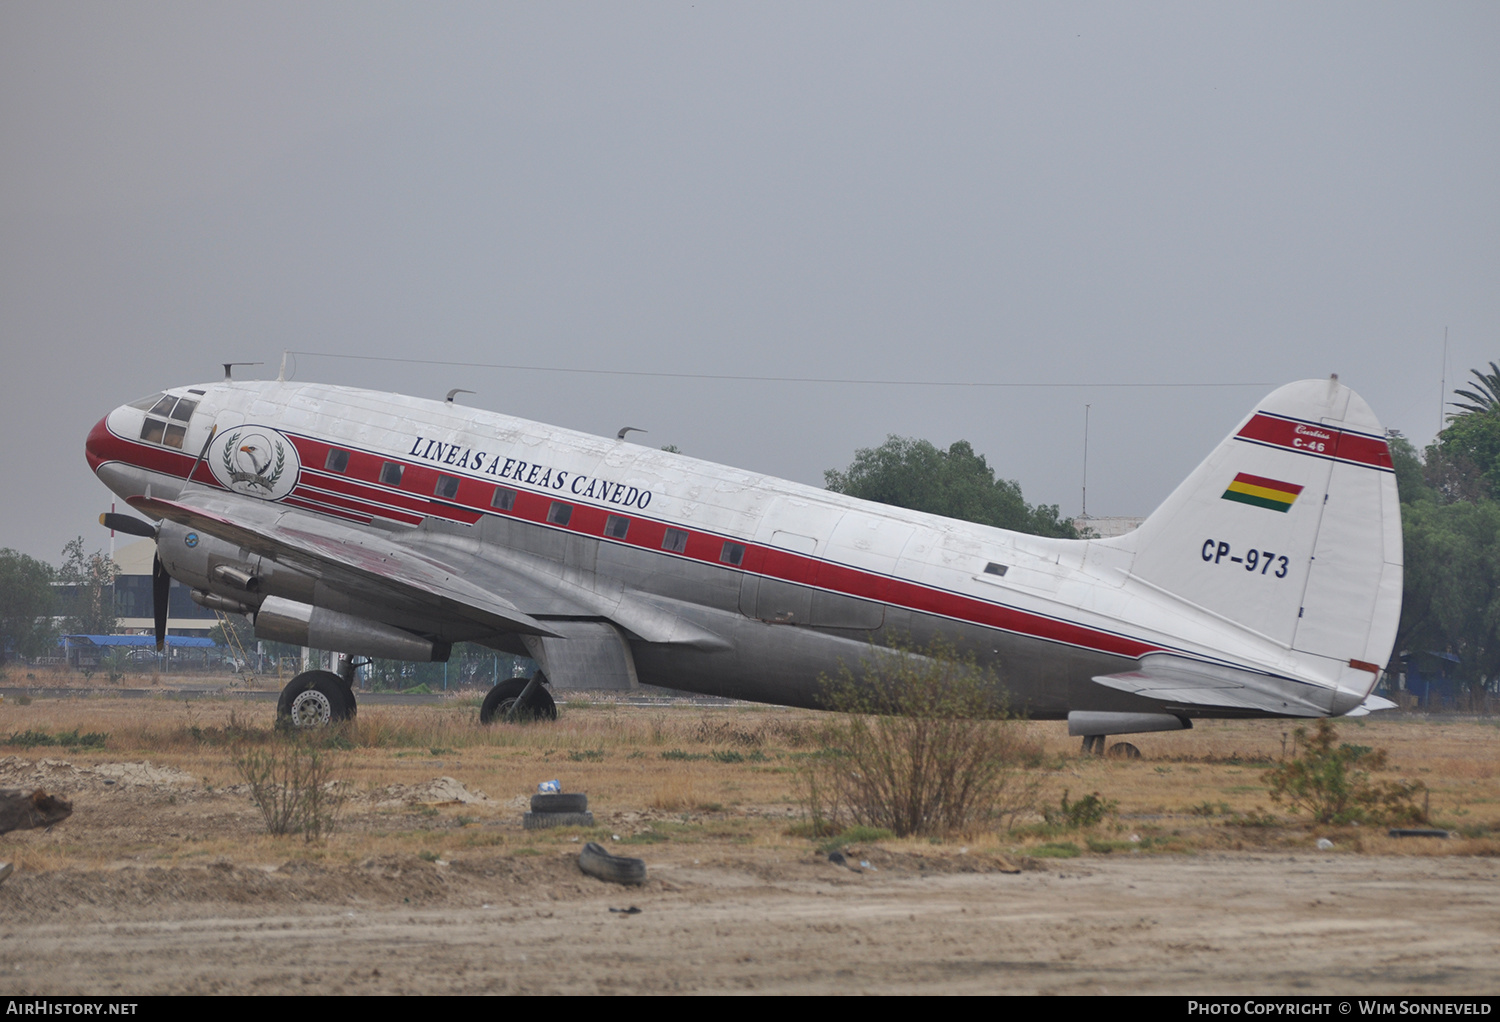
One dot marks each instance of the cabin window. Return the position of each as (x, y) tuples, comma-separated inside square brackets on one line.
[(337, 461), (995, 569), (675, 540), (559, 513), (616, 526), (390, 473), (447, 487), (504, 498), (732, 553)]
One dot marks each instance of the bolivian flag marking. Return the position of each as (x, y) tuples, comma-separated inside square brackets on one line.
[(1262, 492)]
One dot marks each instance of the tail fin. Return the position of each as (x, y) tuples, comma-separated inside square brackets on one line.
[(1290, 529)]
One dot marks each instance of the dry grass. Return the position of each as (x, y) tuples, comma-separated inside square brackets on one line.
[(721, 776)]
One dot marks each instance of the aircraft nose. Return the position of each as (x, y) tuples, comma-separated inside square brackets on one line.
[(98, 440)]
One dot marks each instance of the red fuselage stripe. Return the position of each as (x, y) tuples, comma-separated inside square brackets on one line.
[(352, 498)]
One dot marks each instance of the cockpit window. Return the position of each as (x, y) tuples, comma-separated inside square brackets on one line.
[(145, 404), (154, 430)]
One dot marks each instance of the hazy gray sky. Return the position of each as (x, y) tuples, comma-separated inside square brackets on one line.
[(1100, 192)]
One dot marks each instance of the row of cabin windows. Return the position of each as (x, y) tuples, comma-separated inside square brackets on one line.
[(560, 513)]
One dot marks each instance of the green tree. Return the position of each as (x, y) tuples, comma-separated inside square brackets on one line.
[(1450, 524), (90, 608), (27, 602), (1487, 398), (956, 483), (1463, 463)]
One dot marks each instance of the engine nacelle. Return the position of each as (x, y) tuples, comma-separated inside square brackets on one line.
[(214, 566), (301, 624)]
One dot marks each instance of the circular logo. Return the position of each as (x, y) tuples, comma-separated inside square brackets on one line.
[(191, 539), (257, 461)]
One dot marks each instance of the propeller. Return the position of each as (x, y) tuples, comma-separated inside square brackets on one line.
[(127, 524), (161, 582), (161, 588)]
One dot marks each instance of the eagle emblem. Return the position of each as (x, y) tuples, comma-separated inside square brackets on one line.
[(254, 461)]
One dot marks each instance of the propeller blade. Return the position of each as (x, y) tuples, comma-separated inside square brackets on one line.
[(128, 524), (161, 588)]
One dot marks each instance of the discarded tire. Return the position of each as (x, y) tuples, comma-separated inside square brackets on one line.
[(560, 802), (617, 869), (541, 821)]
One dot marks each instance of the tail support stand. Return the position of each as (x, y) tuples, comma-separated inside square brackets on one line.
[(1094, 744)]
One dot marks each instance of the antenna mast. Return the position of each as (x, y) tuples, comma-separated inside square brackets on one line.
[(1443, 385), (1085, 513)]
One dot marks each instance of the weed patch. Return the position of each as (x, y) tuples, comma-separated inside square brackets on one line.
[(1332, 782), (66, 739), (1057, 850), (1088, 811), (856, 836)]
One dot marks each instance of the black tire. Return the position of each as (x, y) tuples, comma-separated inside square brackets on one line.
[(504, 695), (1123, 750), (560, 802), (617, 869), (314, 699), (541, 821)]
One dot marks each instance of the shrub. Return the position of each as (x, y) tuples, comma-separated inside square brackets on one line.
[(293, 786), (1088, 811), (1333, 782), (921, 746)]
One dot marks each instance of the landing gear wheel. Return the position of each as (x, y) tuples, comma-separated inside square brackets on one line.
[(314, 699), (500, 705)]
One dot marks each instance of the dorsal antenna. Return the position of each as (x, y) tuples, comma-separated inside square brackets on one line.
[(229, 368)]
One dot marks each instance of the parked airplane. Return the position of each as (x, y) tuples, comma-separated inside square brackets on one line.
[(1267, 584)]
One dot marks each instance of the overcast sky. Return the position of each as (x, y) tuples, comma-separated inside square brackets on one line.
[(1082, 194)]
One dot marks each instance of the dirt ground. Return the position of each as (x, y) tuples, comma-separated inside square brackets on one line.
[(164, 882)]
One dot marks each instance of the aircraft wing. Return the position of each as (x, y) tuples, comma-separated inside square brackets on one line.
[(363, 560), (499, 590), (1193, 684)]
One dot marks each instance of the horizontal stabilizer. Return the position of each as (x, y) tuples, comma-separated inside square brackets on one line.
[(1372, 704), (1193, 684)]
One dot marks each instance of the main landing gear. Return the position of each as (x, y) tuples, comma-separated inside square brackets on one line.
[(1093, 745), (316, 699), (518, 700)]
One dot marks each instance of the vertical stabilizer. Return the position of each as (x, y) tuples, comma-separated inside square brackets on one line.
[(1290, 529)]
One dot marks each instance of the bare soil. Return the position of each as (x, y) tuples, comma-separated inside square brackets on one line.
[(163, 880)]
